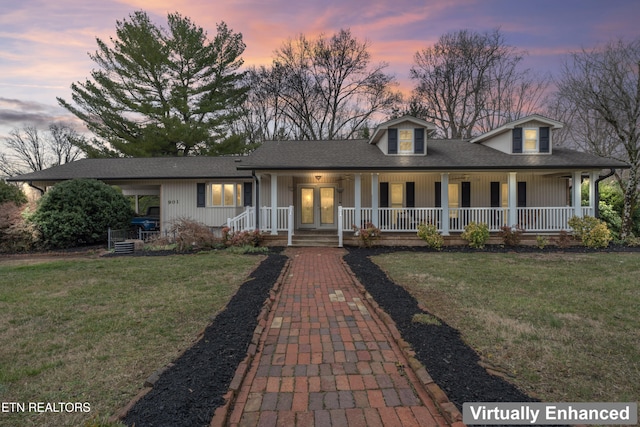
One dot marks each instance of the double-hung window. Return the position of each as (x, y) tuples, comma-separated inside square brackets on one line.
[(531, 140), (405, 141)]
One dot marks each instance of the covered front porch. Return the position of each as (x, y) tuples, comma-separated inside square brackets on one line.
[(399, 202)]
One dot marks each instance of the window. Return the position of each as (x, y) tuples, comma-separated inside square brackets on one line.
[(405, 141), (397, 195), (226, 194), (531, 140)]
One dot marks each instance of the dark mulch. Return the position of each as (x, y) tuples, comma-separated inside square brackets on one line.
[(449, 361), (188, 393)]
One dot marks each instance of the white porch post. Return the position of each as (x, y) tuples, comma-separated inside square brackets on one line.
[(593, 189), (374, 201), (513, 199), (444, 201), (274, 204), (290, 226), (358, 200), (577, 193), (340, 237)]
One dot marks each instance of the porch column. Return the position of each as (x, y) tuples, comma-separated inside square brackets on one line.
[(513, 199), (374, 200), (358, 199), (274, 204), (576, 184), (593, 189), (444, 202)]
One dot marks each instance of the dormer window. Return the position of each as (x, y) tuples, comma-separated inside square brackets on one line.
[(406, 141), (531, 140)]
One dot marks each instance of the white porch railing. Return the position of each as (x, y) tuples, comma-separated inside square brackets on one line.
[(535, 219), (283, 218), (243, 222)]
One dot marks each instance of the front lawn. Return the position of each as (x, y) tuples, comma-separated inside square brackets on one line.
[(562, 327), (93, 330)]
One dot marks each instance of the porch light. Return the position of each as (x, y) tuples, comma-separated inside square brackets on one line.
[(318, 177)]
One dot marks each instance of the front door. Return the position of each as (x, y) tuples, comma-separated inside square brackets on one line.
[(317, 207)]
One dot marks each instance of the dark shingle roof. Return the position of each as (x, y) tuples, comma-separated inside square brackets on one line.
[(141, 168), (441, 155)]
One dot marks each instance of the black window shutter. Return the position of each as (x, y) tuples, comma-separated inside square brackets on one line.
[(466, 194), (438, 193), (201, 195), (410, 189), (495, 194), (522, 194), (418, 143), (384, 194), (544, 139), (393, 141), (517, 140), (248, 194)]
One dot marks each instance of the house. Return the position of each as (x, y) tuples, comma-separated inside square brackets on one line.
[(396, 179)]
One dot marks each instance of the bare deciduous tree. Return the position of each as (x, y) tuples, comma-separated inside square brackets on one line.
[(469, 83), (326, 88), (31, 150), (599, 90)]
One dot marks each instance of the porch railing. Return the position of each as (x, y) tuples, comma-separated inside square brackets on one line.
[(243, 222)]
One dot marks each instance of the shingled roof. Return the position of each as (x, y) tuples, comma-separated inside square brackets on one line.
[(141, 168), (441, 155)]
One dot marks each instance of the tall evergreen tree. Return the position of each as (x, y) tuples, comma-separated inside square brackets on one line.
[(162, 91)]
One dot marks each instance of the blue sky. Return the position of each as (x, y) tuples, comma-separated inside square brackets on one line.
[(44, 45)]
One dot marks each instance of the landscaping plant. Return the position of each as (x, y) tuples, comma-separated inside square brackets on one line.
[(476, 234), (593, 232), (367, 235), (511, 236), (79, 212), (432, 237)]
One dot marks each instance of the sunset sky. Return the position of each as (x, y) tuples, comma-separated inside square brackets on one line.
[(44, 44)]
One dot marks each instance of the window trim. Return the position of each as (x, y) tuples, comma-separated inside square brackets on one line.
[(236, 196)]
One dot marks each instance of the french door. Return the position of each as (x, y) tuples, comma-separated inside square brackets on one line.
[(317, 207)]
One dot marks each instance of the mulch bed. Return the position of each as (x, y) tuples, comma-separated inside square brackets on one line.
[(188, 393)]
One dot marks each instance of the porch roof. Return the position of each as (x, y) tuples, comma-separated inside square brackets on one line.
[(141, 168), (441, 155)]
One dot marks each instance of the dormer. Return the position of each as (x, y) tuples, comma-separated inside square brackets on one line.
[(404, 136), (529, 135)]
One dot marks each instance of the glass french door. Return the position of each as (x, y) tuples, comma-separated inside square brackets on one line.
[(317, 207)]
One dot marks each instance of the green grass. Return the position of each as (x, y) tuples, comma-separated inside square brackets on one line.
[(566, 327), (93, 330)]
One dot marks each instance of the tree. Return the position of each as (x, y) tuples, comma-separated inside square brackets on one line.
[(80, 212), (468, 83), (162, 92), (11, 193), (326, 88), (600, 91), (31, 150)]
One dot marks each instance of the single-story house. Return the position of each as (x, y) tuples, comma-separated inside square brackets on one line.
[(396, 180)]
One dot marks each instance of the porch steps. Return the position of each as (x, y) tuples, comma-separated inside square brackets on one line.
[(310, 239)]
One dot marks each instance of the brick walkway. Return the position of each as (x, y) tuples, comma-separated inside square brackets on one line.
[(326, 359)]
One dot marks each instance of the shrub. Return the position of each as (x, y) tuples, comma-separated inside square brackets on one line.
[(80, 212), (11, 193), (367, 235), (611, 217), (476, 234), (241, 238), (563, 240), (189, 235), (541, 242), (430, 234), (593, 232), (511, 236), (16, 234)]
